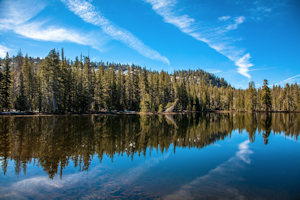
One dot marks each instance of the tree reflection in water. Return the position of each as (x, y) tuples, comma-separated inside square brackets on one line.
[(51, 142)]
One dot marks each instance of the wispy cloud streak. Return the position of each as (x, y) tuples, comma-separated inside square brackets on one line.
[(224, 18), (16, 12), (101, 182), (18, 17), (263, 68), (237, 22), (259, 11), (3, 50), (214, 71), (37, 31), (286, 80), (88, 13), (214, 37)]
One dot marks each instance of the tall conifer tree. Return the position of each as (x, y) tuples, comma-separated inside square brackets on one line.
[(266, 96), (5, 86)]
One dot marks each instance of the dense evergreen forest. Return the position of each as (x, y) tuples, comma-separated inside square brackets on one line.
[(58, 85)]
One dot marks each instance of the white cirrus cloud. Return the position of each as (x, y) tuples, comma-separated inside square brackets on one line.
[(213, 71), (288, 79), (259, 10), (88, 13), (224, 18), (244, 65), (213, 36), (263, 68), (14, 12), (237, 21), (3, 51), (37, 31), (18, 17), (260, 7)]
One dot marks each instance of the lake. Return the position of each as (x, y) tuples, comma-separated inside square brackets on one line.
[(192, 156)]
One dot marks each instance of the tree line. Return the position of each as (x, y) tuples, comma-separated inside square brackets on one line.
[(58, 85)]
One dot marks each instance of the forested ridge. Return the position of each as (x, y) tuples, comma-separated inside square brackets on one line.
[(57, 85)]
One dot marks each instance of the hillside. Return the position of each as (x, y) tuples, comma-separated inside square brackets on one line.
[(58, 85)]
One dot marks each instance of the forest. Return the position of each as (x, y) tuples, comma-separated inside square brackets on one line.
[(59, 85)]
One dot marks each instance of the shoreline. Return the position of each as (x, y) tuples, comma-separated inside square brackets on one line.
[(37, 114)]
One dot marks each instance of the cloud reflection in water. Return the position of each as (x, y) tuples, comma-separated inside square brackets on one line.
[(101, 182), (217, 183)]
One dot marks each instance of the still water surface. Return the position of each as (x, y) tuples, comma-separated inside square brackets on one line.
[(195, 156)]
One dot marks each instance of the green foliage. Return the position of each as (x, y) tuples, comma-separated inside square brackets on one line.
[(169, 104), (153, 108), (5, 84), (145, 104), (21, 99), (0, 88), (160, 108), (58, 85), (251, 97), (266, 96)]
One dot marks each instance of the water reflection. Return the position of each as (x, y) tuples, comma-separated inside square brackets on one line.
[(54, 142), (218, 182)]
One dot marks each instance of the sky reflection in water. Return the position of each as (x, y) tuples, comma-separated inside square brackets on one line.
[(203, 156)]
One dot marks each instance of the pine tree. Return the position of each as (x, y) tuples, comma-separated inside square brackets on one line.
[(87, 85), (145, 103), (296, 97), (17, 68), (112, 85), (50, 77), (80, 90), (287, 97), (120, 89), (0, 88), (5, 86), (229, 97), (251, 97), (76, 78), (135, 86), (143, 83), (128, 88), (21, 101), (38, 88), (99, 103), (266, 96), (69, 86), (64, 85), (28, 82)]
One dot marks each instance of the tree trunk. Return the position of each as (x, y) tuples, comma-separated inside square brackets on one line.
[(171, 108)]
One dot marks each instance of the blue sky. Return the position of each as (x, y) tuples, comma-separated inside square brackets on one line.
[(240, 40)]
